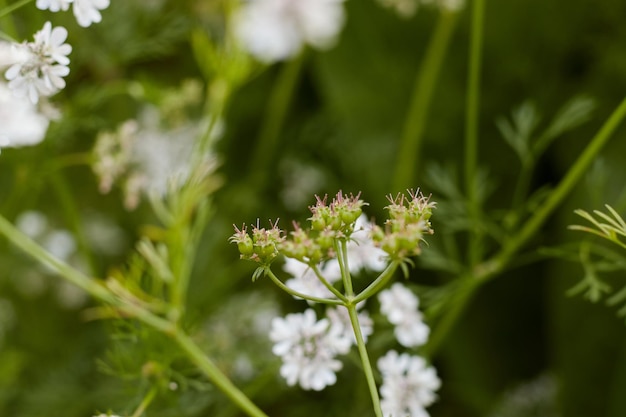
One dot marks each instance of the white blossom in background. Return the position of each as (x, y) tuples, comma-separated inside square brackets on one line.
[(274, 30), (144, 158), (409, 385), (305, 281), (400, 306), (308, 349), (53, 5), (85, 11), (62, 245), (21, 124), (88, 11), (42, 66)]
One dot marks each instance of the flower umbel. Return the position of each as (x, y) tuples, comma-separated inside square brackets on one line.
[(308, 348), (41, 71), (409, 385), (409, 221), (262, 247), (399, 304), (274, 30)]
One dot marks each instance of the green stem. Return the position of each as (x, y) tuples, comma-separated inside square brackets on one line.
[(378, 283), (72, 216), (471, 126), (274, 118), (473, 97), (491, 268), (341, 248), (102, 293), (327, 284), (11, 8), (145, 402), (216, 376), (298, 294), (572, 177), (409, 154), (365, 361)]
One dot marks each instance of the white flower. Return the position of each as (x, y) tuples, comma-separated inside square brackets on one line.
[(408, 387), (308, 348), (20, 122), (53, 5), (400, 305), (273, 30), (88, 11), (42, 66)]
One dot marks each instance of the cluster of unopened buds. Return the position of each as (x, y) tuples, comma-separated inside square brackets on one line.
[(400, 237)]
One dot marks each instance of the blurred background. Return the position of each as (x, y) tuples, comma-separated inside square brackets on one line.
[(522, 347)]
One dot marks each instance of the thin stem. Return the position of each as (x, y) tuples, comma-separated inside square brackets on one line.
[(572, 177), (327, 284), (72, 216), (471, 126), (409, 154), (216, 376), (145, 402), (491, 268), (102, 293), (365, 361), (341, 248), (11, 8), (473, 96), (298, 294), (274, 118), (378, 283)]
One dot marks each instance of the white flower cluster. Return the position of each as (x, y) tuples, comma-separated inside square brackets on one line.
[(143, 157), (85, 11), (400, 306), (274, 30), (308, 348), (21, 124), (39, 66), (409, 385)]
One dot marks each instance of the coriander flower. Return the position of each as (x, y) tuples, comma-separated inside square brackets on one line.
[(43, 65), (308, 348), (409, 385), (20, 122), (88, 11), (400, 306), (274, 30), (53, 5)]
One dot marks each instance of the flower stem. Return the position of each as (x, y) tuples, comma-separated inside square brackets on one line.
[(473, 96), (409, 153), (11, 8), (274, 118), (365, 361), (494, 266), (298, 294), (378, 283), (145, 402), (216, 376), (471, 126)]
